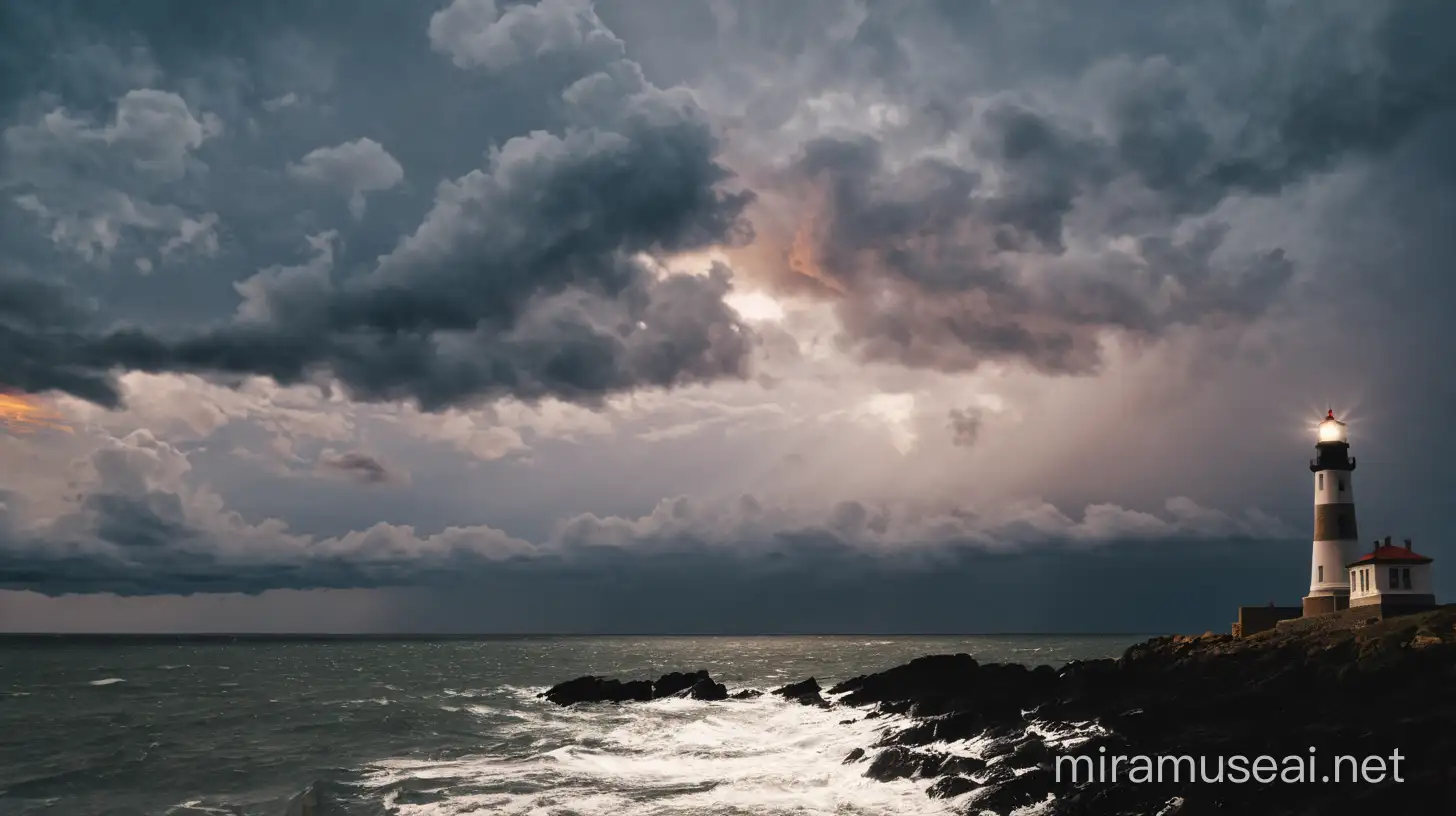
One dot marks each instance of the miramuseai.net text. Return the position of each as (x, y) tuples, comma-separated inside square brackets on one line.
[(1236, 769)]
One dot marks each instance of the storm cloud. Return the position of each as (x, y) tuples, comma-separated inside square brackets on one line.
[(634, 305), (1039, 220), (524, 279)]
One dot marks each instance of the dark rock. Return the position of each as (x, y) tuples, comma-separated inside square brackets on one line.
[(950, 786), (854, 756), (1026, 789), (963, 765), (903, 763), (999, 748), (1207, 696), (799, 689), (805, 692), (893, 763), (746, 694), (1030, 753), (997, 774), (706, 689), (677, 682), (592, 689)]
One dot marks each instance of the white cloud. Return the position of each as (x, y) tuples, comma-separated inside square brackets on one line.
[(150, 141), (199, 234), (277, 103), (353, 168), (475, 34)]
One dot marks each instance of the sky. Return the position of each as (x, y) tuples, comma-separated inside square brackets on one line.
[(713, 317)]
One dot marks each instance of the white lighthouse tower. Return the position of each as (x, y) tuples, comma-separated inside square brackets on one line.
[(1336, 538)]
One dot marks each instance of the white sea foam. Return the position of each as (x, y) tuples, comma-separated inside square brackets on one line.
[(677, 756), (110, 681)]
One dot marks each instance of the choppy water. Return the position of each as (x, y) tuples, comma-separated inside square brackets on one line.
[(430, 728)]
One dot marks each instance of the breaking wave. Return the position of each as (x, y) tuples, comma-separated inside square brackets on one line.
[(677, 756)]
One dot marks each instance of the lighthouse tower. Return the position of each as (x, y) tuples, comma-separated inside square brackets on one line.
[(1335, 537)]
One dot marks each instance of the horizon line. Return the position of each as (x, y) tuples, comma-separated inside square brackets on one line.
[(523, 635)]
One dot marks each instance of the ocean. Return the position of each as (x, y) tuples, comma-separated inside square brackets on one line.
[(187, 727)]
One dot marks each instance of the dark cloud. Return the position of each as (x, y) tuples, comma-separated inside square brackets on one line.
[(359, 467), (523, 280), (1004, 252), (965, 181), (965, 426), (926, 273)]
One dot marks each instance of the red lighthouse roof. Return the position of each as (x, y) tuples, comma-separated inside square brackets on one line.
[(1391, 554)]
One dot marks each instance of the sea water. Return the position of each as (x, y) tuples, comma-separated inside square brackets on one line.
[(188, 727)]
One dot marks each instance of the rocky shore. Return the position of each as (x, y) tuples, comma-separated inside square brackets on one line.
[(991, 735)]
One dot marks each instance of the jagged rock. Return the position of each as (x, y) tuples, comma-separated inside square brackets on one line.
[(902, 763), (677, 682), (962, 765), (854, 756), (593, 689), (1307, 683), (706, 689), (948, 787), (805, 692), (1026, 789), (1031, 752), (746, 694)]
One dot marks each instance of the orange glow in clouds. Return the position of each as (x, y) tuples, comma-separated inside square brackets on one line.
[(23, 414)]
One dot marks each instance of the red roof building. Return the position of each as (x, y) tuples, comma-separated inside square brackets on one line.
[(1391, 577), (1389, 553)]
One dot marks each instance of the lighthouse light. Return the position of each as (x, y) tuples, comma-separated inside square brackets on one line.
[(1332, 430)]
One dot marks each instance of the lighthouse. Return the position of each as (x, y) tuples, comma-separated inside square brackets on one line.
[(1335, 535)]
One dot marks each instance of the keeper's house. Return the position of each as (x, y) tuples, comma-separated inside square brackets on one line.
[(1395, 579)]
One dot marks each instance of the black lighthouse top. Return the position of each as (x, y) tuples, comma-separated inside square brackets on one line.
[(1333, 446)]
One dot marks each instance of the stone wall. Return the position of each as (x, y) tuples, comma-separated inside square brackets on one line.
[(1256, 619), (1324, 604)]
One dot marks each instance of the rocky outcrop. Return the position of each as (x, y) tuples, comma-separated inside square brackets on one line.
[(592, 689), (705, 688), (804, 692), (1343, 685), (1346, 686)]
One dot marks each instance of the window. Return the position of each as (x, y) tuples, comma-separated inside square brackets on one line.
[(1320, 575), (1340, 484), (1394, 578), (1364, 580), (1322, 481), (1405, 578), (1344, 528)]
